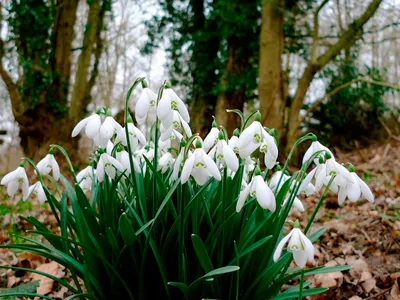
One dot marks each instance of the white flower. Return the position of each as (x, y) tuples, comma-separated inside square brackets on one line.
[(354, 190), (123, 158), (91, 124), (299, 245), (201, 167), (234, 144), (16, 179), (109, 128), (342, 174), (257, 188), (176, 122), (168, 103), (38, 190), (224, 156), (254, 137), (106, 164), (145, 104), (315, 147), (85, 178), (169, 133), (273, 183), (49, 164), (297, 204), (178, 164), (210, 139), (136, 137), (163, 146), (165, 162)]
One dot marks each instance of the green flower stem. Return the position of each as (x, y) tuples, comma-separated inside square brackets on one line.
[(298, 142), (128, 96), (301, 285), (321, 200)]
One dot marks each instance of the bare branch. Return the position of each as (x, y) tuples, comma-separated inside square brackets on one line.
[(316, 32), (318, 102)]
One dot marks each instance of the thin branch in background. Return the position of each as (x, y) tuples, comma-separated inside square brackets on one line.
[(318, 102)]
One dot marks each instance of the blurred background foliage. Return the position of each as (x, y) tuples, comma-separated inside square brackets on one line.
[(326, 66)]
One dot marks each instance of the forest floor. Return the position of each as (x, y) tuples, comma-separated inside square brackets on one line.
[(364, 235)]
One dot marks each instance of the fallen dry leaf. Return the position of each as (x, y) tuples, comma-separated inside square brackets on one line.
[(46, 284)]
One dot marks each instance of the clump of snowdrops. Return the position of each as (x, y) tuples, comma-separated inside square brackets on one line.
[(160, 213)]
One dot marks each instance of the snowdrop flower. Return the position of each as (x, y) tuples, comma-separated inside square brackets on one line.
[(38, 190), (163, 146), (354, 190), (176, 122), (299, 245), (273, 183), (200, 166), (85, 178), (297, 204), (145, 105), (49, 164), (211, 137), (91, 124), (342, 174), (234, 141), (123, 157), (315, 147), (178, 164), (16, 179), (169, 103), (224, 155), (254, 137), (106, 164), (257, 188), (136, 137), (165, 162), (169, 133), (109, 128)]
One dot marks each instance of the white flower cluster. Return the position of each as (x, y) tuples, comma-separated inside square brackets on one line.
[(185, 156)]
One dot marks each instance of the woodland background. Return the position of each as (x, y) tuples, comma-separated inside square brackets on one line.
[(331, 67)]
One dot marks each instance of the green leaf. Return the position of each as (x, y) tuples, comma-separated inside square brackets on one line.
[(255, 246), (220, 271), (183, 287), (27, 288), (202, 254), (126, 230), (291, 295), (317, 234)]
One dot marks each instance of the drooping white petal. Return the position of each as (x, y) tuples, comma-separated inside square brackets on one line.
[(230, 157), (187, 168), (93, 126), (354, 189), (115, 163), (298, 204), (242, 197), (342, 195), (10, 176), (309, 248), (100, 170), (210, 139), (300, 258), (200, 175), (44, 166), (12, 187), (264, 195), (279, 248), (164, 108), (211, 166), (366, 191), (55, 168), (110, 171), (78, 127)]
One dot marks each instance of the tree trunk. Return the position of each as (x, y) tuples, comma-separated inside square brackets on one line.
[(231, 96), (80, 93), (38, 130), (271, 81)]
